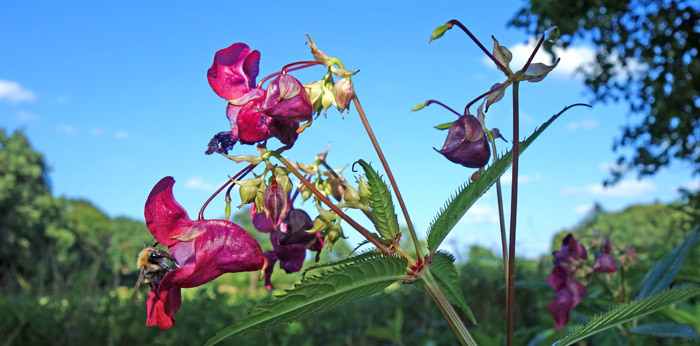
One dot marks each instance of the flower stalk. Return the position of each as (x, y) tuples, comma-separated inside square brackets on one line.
[(372, 138)]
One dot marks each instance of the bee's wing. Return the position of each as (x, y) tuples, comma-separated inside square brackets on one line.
[(136, 287)]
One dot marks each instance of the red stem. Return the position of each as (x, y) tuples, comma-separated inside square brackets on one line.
[(240, 174)]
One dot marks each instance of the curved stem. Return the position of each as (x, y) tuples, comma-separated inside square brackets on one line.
[(466, 108), (446, 309), (513, 213), (372, 138), (464, 28), (240, 174), (330, 204), (429, 102)]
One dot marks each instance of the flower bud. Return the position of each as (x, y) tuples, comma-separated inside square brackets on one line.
[(315, 91), (328, 98), (363, 190), (275, 201), (248, 189), (343, 94), (336, 188), (466, 143)]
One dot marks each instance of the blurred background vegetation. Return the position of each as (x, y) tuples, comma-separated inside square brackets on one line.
[(67, 271)]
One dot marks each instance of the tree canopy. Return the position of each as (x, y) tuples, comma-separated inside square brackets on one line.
[(646, 55)]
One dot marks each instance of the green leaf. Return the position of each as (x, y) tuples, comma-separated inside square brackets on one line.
[(666, 330), (380, 204), (444, 126), (664, 271), (341, 261), (629, 311), (338, 286), (445, 273), (467, 194)]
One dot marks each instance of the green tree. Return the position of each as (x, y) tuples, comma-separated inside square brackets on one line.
[(646, 54), (28, 215)]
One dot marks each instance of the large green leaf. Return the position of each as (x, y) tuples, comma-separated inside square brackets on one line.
[(664, 271), (666, 330), (380, 204), (630, 311), (445, 273), (467, 194), (315, 294), (341, 261)]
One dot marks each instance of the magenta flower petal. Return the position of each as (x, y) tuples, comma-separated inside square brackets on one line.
[(261, 222), (247, 123), (234, 71), (162, 307), (286, 98), (271, 260), (165, 218), (293, 229), (560, 308)]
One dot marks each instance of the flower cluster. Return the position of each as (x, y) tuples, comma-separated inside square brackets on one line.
[(203, 250), (568, 291), (571, 267), (257, 114)]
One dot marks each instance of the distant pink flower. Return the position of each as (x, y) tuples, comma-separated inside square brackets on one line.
[(605, 263), (203, 250), (568, 292)]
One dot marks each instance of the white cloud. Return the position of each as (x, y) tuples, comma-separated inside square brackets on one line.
[(69, 129), (625, 188), (585, 124), (480, 213), (199, 184), (692, 185), (27, 117), (14, 92), (507, 178), (122, 134), (583, 209)]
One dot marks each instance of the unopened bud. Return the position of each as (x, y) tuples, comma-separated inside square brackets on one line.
[(439, 31), (363, 190), (343, 94), (248, 190), (275, 201)]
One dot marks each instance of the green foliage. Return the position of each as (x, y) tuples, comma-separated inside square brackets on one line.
[(333, 288), (663, 272), (380, 204), (666, 330), (630, 311), (467, 194), (646, 55), (445, 273)]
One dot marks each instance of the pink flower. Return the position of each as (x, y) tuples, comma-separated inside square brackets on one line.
[(203, 250), (568, 292), (256, 114), (234, 70), (604, 263)]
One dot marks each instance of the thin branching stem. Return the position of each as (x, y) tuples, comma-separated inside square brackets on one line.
[(372, 138), (513, 214), (501, 217), (333, 207), (464, 28)]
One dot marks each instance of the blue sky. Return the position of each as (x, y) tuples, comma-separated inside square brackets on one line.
[(116, 97)]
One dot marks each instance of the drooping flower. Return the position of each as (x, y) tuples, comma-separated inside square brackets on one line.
[(289, 240), (203, 250), (466, 143), (605, 263), (257, 114)]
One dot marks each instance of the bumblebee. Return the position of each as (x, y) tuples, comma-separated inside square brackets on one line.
[(151, 261)]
